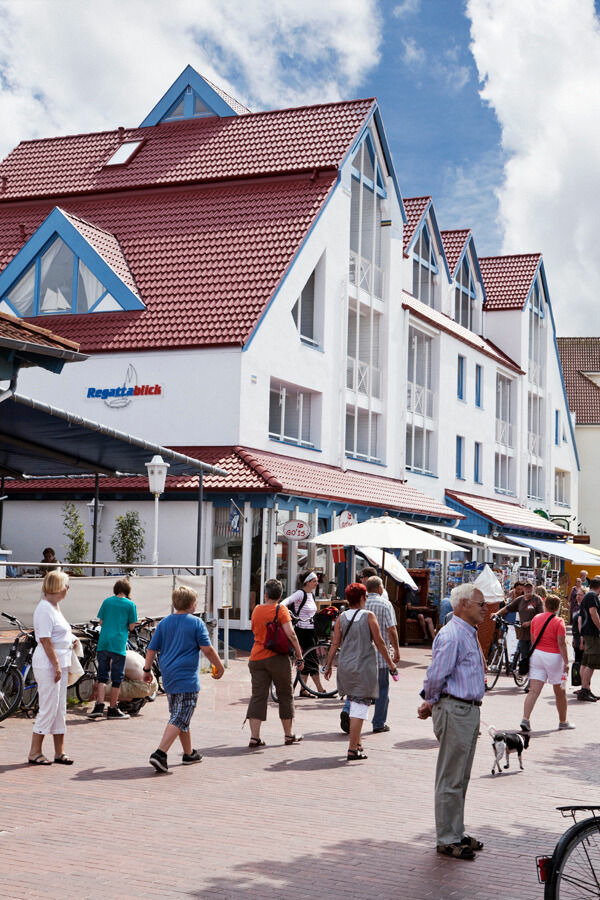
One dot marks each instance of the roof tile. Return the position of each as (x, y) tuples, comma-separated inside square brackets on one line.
[(580, 357), (415, 208), (504, 513), (507, 279), (454, 244)]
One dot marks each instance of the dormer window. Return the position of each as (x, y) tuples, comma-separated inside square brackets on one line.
[(303, 312), (465, 296), (424, 268), (123, 154)]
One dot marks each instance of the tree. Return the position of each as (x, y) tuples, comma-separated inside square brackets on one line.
[(77, 548), (128, 538)]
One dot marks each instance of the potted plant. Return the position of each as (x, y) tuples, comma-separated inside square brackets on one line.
[(77, 548), (128, 539)]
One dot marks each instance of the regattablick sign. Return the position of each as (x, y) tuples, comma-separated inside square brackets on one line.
[(139, 390), (295, 530)]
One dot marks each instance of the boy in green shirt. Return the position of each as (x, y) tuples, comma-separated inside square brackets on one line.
[(118, 616)]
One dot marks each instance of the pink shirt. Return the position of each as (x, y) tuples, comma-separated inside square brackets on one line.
[(549, 640)]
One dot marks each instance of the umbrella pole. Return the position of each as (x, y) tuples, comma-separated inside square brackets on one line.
[(383, 565)]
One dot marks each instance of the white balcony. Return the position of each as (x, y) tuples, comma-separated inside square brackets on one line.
[(504, 433), (535, 443), (365, 275), (419, 399), (363, 378)]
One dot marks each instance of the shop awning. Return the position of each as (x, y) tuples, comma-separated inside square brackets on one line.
[(499, 547), (572, 552)]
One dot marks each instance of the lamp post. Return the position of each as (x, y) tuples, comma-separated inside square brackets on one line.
[(157, 476)]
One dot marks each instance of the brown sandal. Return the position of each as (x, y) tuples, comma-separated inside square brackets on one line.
[(293, 739), (456, 851), (255, 743), (471, 842)]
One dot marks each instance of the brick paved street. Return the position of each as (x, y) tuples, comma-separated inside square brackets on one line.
[(286, 822)]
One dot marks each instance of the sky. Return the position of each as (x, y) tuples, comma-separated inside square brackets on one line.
[(492, 107)]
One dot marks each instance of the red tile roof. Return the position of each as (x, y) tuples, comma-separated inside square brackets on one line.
[(17, 330), (206, 260), (239, 108), (504, 513), (195, 150), (271, 473), (107, 246), (415, 208), (507, 279), (578, 356), (445, 323), (454, 244)]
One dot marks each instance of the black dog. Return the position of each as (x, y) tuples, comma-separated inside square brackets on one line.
[(507, 742)]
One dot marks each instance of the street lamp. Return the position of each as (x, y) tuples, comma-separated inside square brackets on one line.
[(157, 476), (90, 508)]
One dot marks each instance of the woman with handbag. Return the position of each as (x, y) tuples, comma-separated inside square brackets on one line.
[(270, 661), (303, 607), (51, 662), (357, 631), (548, 662)]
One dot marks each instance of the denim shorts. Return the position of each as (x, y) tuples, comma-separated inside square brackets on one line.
[(113, 662)]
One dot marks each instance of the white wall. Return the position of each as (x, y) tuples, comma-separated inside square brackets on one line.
[(588, 441)]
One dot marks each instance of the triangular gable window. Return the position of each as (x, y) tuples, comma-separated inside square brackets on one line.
[(188, 106)]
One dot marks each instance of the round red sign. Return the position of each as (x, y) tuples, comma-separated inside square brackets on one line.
[(296, 530)]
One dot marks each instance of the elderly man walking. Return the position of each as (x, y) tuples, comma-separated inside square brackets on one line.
[(452, 694)]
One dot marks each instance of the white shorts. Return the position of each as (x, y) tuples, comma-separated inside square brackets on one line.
[(546, 667), (359, 710)]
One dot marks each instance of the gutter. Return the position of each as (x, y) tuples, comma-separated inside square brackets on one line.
[(9, 392)]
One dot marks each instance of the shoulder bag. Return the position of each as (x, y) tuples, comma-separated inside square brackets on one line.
[(523, 664), (276, 639), (295, 613)]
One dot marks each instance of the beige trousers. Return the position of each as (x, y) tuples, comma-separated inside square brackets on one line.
[(456, 726)]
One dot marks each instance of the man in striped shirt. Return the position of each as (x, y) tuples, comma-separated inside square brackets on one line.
[(452, 694)]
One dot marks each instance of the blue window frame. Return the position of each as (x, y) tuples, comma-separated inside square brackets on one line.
[(478, 394), (460, 442), (465, 295), (460, 378), (557, 427), (477, 463)]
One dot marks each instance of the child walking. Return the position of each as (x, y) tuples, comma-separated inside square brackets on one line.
[(178, 639)]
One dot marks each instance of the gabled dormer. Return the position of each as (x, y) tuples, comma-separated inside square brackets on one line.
[(191, 96), (423, 245), (468, 291), (68, 266)]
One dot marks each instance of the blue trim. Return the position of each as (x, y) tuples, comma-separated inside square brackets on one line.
[(295, 444), (556, 428), (478, 371), (188, 78), (385, 147), (460, 377), (477, 462), (459, 457), (57, 224), (430, 209)]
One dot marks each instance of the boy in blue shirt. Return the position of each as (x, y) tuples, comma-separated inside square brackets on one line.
[(178, 639), (118, 616)]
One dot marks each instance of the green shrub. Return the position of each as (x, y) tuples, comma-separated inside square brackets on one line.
[(128, 538), (77, 548)]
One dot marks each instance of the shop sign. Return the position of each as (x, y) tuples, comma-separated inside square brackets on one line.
[(123, 394), (346, 519), (296, 530)]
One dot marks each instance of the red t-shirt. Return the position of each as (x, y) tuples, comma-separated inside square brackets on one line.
[(549, 639)]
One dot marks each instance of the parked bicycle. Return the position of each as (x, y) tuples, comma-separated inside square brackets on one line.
[(573, 870), (18, 687), (89, 634), (317, 657), (139, 639), (499, 657)]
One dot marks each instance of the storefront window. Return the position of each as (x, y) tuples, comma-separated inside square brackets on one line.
[(227, 544)]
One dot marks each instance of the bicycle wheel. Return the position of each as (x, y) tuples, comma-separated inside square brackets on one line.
[(494, 664), (520, 680), (84, 688), (576, 865), (30, 691), (11, 691), (273, 690), (317, 657)]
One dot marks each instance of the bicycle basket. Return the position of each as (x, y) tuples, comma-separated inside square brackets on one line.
[(323, 625)]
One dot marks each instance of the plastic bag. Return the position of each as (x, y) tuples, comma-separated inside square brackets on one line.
[(490, 587)]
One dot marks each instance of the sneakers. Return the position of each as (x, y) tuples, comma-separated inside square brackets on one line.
[(381, 730), (97, 712), (565, 726), (345, 721), (189, 758), (586, 694), (525, 725), (115, 713), (158, 759)]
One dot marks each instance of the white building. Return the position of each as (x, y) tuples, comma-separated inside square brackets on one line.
[(253, 287)]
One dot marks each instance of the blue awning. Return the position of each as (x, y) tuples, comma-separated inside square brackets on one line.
[(571, 552)]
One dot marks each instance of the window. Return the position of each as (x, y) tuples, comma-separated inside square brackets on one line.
[(477, 463), (59, 282), (290, 415), (303, 313), (123, 153), (504, 411), (561, 487), (424, 268), (419, 449), (537, 354), (419, 376), (367, 191), (460, 378), (460, 446), (557, 427), (362, 428), (535, 424), (504, 466), (363, 373), (478, 387), (535, 482), (465, 296)]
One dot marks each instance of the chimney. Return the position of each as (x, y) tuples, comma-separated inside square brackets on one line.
[(121, 132)]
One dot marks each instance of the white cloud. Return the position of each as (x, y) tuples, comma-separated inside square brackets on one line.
[(413, 54), (539, 63), (79, 65), (406, 8), (469, 199)]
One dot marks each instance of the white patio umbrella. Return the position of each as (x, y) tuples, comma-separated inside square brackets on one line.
[(386, 533), (393, 566)]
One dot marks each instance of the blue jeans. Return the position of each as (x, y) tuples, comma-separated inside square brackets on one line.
[(382, 702)]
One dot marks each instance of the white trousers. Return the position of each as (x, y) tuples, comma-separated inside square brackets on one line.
[(51, 718)]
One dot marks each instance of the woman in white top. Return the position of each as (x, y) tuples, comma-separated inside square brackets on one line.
[(303, 607), (51, 662)]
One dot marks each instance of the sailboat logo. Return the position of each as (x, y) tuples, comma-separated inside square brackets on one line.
[(131, 380)]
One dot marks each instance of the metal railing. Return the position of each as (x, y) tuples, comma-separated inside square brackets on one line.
[(535, 443), (504, 433), (419, 399), (365, 275), (362, 377)]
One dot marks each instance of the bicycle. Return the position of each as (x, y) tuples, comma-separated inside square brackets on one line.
[(84, 686), (13, 697), (499, 657), (317, 657), (139, 639), (573, 870)]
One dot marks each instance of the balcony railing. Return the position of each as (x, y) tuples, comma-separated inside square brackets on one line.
[(504, 433), (419, 399), (365, 275), (536, 372), (362, 377), (535, 443)]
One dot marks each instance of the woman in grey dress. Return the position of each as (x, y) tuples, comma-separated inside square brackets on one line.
[(358, 632)]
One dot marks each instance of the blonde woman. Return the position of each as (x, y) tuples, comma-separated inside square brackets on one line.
[(51, 661)]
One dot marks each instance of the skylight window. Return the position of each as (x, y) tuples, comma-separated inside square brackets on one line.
[(123, 153)]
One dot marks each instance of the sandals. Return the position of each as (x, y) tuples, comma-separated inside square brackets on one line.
[(39, 760), (63, 760), (255, 743), (293, 739), (304, 693), (456, 851), (471, 842), (356, 754)]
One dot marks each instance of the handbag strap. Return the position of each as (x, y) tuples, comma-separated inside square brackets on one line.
[(345, 634), (538, 638)]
